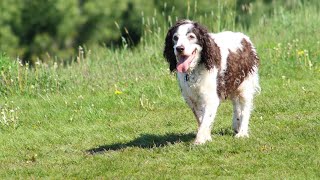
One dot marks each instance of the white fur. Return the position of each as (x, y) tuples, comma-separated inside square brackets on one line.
[(198, 92), (243, 103), (182, 34), (190, 45), (199, 86)]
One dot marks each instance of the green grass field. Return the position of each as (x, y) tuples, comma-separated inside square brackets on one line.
[(118, 114)]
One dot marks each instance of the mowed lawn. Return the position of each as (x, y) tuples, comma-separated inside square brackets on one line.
[(118, 114)]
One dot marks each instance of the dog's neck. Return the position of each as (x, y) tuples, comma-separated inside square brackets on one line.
[(195, 75)]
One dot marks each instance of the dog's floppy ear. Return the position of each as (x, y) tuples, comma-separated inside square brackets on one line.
[(210, 54), (168, 51)]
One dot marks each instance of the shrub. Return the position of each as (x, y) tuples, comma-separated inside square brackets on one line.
[(51, 30)]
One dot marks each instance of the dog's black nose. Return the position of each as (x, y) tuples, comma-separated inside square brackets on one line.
[(180, 49)]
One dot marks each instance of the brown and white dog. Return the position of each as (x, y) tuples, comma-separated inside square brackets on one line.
[(211, 68)]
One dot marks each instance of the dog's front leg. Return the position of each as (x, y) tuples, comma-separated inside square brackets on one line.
[(208, 114)]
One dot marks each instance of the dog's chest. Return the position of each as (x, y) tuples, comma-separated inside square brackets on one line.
[(198, 84)]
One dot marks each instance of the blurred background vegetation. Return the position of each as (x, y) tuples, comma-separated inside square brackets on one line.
[(52, 30)]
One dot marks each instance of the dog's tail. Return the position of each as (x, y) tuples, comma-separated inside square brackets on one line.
[(256, 85)]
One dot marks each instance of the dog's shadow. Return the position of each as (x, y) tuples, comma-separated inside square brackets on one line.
[(144, 141), (151, 141)]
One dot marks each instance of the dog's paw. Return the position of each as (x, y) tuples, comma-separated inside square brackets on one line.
[(242, 135), (202, 140)]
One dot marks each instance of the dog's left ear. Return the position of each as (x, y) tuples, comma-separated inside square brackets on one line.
[(168, 51), (210, 54)]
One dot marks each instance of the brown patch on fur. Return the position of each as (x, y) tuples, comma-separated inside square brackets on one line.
[(216, 55), (210, 54), (239, 65)]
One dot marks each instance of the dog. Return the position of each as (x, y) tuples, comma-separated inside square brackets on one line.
[(211, 68)]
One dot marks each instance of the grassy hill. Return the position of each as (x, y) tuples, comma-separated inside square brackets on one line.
[(118, 113)]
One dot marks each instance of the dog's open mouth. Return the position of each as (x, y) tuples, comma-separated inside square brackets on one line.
[(185, 61)]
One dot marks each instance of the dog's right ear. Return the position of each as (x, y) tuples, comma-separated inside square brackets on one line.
[(168, 51)]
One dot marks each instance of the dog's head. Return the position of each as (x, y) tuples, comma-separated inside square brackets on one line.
[(187, 44)]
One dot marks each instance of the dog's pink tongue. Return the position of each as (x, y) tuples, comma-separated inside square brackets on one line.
[(183, 64)]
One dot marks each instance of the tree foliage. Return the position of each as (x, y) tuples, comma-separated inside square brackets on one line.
[(52, 29)]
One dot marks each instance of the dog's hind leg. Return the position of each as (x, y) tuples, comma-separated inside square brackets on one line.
[(242, 105), (245, 108), (236, 120)]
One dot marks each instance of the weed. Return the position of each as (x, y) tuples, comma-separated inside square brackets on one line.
[(9, 115)]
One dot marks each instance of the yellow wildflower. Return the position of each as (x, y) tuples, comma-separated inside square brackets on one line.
[(300, 53), (117, 92)]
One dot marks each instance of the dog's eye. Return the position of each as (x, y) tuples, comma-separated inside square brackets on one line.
[(175, 38), (191, 36)]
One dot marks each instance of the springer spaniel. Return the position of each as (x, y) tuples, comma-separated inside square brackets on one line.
[(211, 68)]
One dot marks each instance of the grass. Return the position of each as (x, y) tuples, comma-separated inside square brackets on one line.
[(118, 114)]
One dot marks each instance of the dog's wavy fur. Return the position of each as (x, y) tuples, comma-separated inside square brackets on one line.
[(226, 68)]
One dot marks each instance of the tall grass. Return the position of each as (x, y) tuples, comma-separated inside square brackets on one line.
[(221, 17), (279, 48)]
